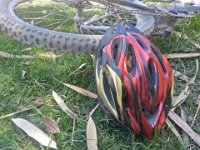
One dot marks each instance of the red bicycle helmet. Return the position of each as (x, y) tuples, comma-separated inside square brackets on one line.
[(134, 80)]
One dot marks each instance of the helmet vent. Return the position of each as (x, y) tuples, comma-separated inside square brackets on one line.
[(142, 44), (146, 112), (152, 72), (131, 60), (106, 78), (116, 49), (159, 56)]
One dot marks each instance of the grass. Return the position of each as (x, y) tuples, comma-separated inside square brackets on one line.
[(43, 76)]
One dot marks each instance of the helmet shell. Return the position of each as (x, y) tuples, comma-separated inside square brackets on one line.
[(134, 81)]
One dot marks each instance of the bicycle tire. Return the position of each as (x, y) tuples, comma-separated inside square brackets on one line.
[(55, 40)]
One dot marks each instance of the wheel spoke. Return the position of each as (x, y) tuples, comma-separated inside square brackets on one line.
[(59, 15)]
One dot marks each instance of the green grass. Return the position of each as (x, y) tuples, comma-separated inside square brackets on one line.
[(43, 76)]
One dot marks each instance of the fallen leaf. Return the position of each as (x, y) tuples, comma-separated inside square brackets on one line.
[(176, 73), (92, 111), (50, 55), (185, 136), (185, 127), (171, 126), (32, 22), (182, 55), (185, 93), (81, 91), (197, 70), (45, 55), (51, 125), (62, 105), (82, 72), (195, 116), (37, 103), (184, 78), (57, 29), (93, 58), (80, 69), (27, 49), (196, 45), (73, 129), (198, 100), (35, 132), (189, 119), (181, 98), (44, 12), (23, 75), (187, 38), (183, 115), (180, 75), (197, 103), (91, 135), (8, 55)]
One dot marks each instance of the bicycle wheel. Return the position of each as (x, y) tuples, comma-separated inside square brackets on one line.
[(41, 32)]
